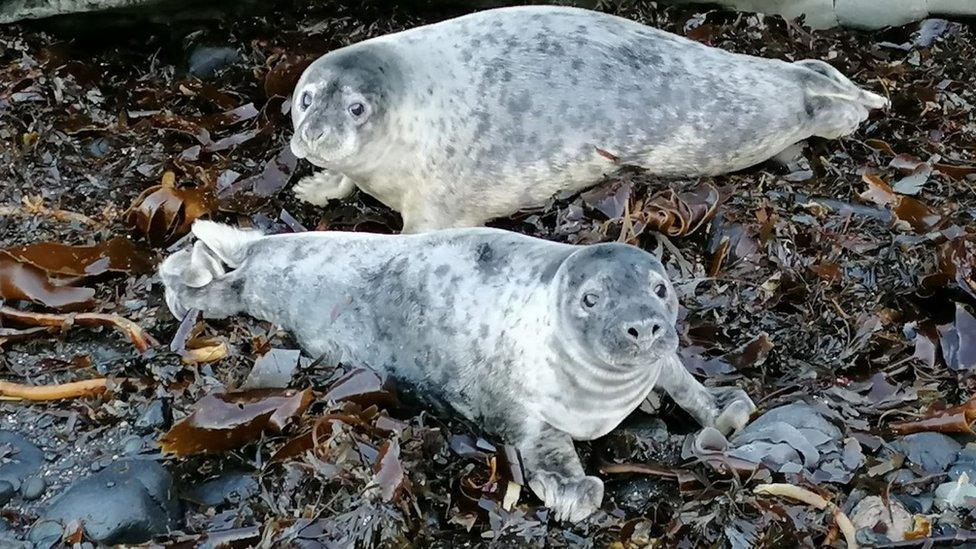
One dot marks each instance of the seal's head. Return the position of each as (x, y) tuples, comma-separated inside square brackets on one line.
[(340, 102), (616, 305)]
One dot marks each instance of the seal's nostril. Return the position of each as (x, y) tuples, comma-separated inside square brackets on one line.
[(632, 332), (655, 328)]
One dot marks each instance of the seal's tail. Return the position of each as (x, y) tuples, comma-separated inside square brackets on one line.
[(226, 242)]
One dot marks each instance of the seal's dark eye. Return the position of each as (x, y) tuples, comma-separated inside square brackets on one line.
[(661, 290), (306, 100), (589, 300), (357, 109)]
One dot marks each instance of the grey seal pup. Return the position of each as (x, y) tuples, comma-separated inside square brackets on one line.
[(538, 342), (463, 121)]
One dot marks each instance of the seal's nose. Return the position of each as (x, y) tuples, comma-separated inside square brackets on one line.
[(644, 331)]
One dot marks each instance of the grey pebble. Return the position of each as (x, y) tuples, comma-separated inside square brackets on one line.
[(33, 488), (45, 533), (25, 461), (99, 147), (205, 62), (130, 501), (156, 416), (7, 492), (132, 444)]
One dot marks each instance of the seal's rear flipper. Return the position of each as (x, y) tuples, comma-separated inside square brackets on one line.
[(229, 244), (203, 277), (202, 267)]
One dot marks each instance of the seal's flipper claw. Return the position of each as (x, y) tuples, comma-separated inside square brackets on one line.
[(570, 499), (556, 475)]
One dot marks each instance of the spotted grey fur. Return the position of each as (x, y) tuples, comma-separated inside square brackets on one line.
[(480, 116), (538, 342)]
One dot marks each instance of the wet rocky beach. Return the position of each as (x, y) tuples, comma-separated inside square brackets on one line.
[(837, 288)]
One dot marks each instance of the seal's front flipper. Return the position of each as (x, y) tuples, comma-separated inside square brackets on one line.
[(323, 186), (556, 475), (725, 408)]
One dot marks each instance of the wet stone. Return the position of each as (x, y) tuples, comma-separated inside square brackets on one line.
[(205, 61), (132, 445), (156, 416), (638, 494), (99, 147), (228, 488), (933, 452), (965, 463), (21, 458), (33, 488), (640, 437), (129, 501), (45, 533), (7, 492)]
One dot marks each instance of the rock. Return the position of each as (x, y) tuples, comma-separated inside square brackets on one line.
[(273, 370), (130, 501), (965, 463), (156, 417), (7, 492), (13, 543), (205, 61), (640, 438), (960, 493), (21, 458), (99, 147), (933, 452), (228, 488), (638, 494), (132, 445), (894, 519), (33, 488), (866, 14), (45, 533), (797, 436)]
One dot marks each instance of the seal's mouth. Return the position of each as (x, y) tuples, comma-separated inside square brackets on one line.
[(317, 153), (303, 151)]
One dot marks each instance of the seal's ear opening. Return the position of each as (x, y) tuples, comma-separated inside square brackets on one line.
[(226, 242)]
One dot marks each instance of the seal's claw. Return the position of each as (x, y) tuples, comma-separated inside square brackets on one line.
[(321, 187), (571, 499), (735, 407)]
